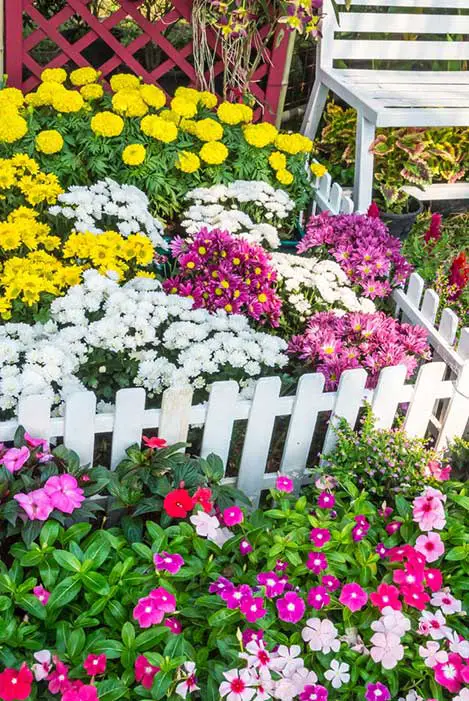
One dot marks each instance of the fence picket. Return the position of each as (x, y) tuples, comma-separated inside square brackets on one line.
[(430, 305), (258, 437), (456, 418), (219, 420), (34, 415), (348, 400), (302, 425), (335, 198), (79, 426), (415, 289), (175, 413), (463, 345), (388, 395), (448, 325), (128, 422), (425, 394)]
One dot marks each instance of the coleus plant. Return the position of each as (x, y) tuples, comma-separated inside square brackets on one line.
[(306, 599)]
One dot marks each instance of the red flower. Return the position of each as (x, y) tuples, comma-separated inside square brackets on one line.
[(202, 496), (95, 664), (386, 595), (178, 503), (434, 230), (15, 685), (459, 273), (415, 596), (153, 443), (433, 579), (373, 210)]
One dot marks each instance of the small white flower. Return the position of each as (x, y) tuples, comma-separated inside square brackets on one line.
[(338, 674), (432, 654)]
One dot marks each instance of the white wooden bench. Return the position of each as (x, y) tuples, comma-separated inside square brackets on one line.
[(391, 98)]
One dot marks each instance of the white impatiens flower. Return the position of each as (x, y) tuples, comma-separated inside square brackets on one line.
[(446, 601), (458, 645), (338, 674), (239, 685), (107, 205), (391, 621), (205, 525), (189, 682), (462, 696), (287, 660), (321, 635), (411, 696), (432, 654)]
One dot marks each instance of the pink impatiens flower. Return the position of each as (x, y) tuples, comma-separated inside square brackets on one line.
[(377, 692), (428, 512), (326, 500), (145, 672), (37, 504), (448, 674), (64, 493), (189, 683), (320, 536), (432, 654), (433, 579), (147, 612), (386, 649), (253, 608), (316, 562), (386, 595), (41, 594), (353, 596), (58, 679), (321, 635), (42, 666), (95, 664), (174, 625), (165, 601), (238, 685), (318, 597), (437, 628), (85, 692), (330, 582), (233, 516), (274, 586), (291, 607), (430, 545), (166, 562), (446, 601), (284, 484), (15, 458)]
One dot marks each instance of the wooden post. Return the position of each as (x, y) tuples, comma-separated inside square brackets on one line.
[(285, 78), (13, 22)]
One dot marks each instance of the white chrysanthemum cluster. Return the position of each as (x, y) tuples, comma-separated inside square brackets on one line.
[(105, 206), (249, 208), (171, 343), (309, 285)]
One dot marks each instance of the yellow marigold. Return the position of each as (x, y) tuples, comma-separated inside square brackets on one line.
[(294, 143), (189, 94), (45, 94), (11, 97), (129, 103), (134, 154), (277, 160), (318, 169), (183, 107), (170, 116), (208, 99), (188, 125), (67, 101), (230, 113), (153, 96), (107, 124), (12, 127), (92, 91), (247, 113), (124, 81), (214, 153), (152, 125), (84, 76), (284, 176), (49, 141), (54, 75), (260, 135), (7, 174), (208, 130), (187, 162)]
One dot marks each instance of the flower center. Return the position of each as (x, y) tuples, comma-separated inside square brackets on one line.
[(238, 686)]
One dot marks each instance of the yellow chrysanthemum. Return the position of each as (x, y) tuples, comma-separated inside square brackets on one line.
[(49, 141), (187, 162), (208, 130), (160, 129), (260, 135), (277, 160), (7, 174), (183, 107), (124, 81), (107, 124), (230, 113), (67, 101), (93, 91), (213, 153), (84, 76), (284, 176), (318, 169), (208, 99), (11, 97), (12, 127), (153, 96), (129, 103), (134, 154), (294, 143), (54, 75)]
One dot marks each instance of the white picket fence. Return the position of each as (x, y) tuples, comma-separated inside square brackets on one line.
[(81, 424), (331, 196)]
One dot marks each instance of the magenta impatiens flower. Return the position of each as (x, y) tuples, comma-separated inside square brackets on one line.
[(64, 493), (164, 599), (166, 562), (15, 458), (330, 582), (284, 484), (253, 608), (353, 596), (147, 612), (233, 516), (274, 586), (326, 500), (249, 635), (95, 664), (313, 692), (41, 594), (291, 607), (430, 545), (318, 597), (245, 547), (316, 562), (319, 536), (58, 678), (386, 595), (145, 672), (174, 625), (377, 692), (234, 595), (37, 504), (81, 692)]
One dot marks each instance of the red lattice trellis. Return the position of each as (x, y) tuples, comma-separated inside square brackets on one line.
[(266, 83)]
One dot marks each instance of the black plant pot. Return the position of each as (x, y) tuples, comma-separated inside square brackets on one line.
[(400, 225)]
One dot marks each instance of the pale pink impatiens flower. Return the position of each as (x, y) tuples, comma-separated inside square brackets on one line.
[(189, 682), (431, 654), (206, 526), (386, 649), (437, 628), (446, 601), (64, 493), (458, 644), (239, 685), (428, 512), (287, 660), (43, 665), (321, 635), (430, 545), (391, 621), (37, 504), (353, 596), (256, 655)]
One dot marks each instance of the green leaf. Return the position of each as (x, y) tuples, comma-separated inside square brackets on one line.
[(143, 551), (222, 618), (32, 605), (460, 500), (128, 634), (76, 642), (458, 553), (111, 648), (95, 582), (64, 592), (111, 689), (161, 684), (76, 532), (175, 646), (49, 534), (67, 560), (403, 506), (98, 551), (150, 638)]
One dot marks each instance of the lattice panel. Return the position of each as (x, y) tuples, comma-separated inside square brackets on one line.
[(22, 48)]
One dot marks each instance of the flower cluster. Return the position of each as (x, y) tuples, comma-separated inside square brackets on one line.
[(106, 205), (252, 209), (219, 271), (332, 344), (21, 181), (362, 245), (61, 493)]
